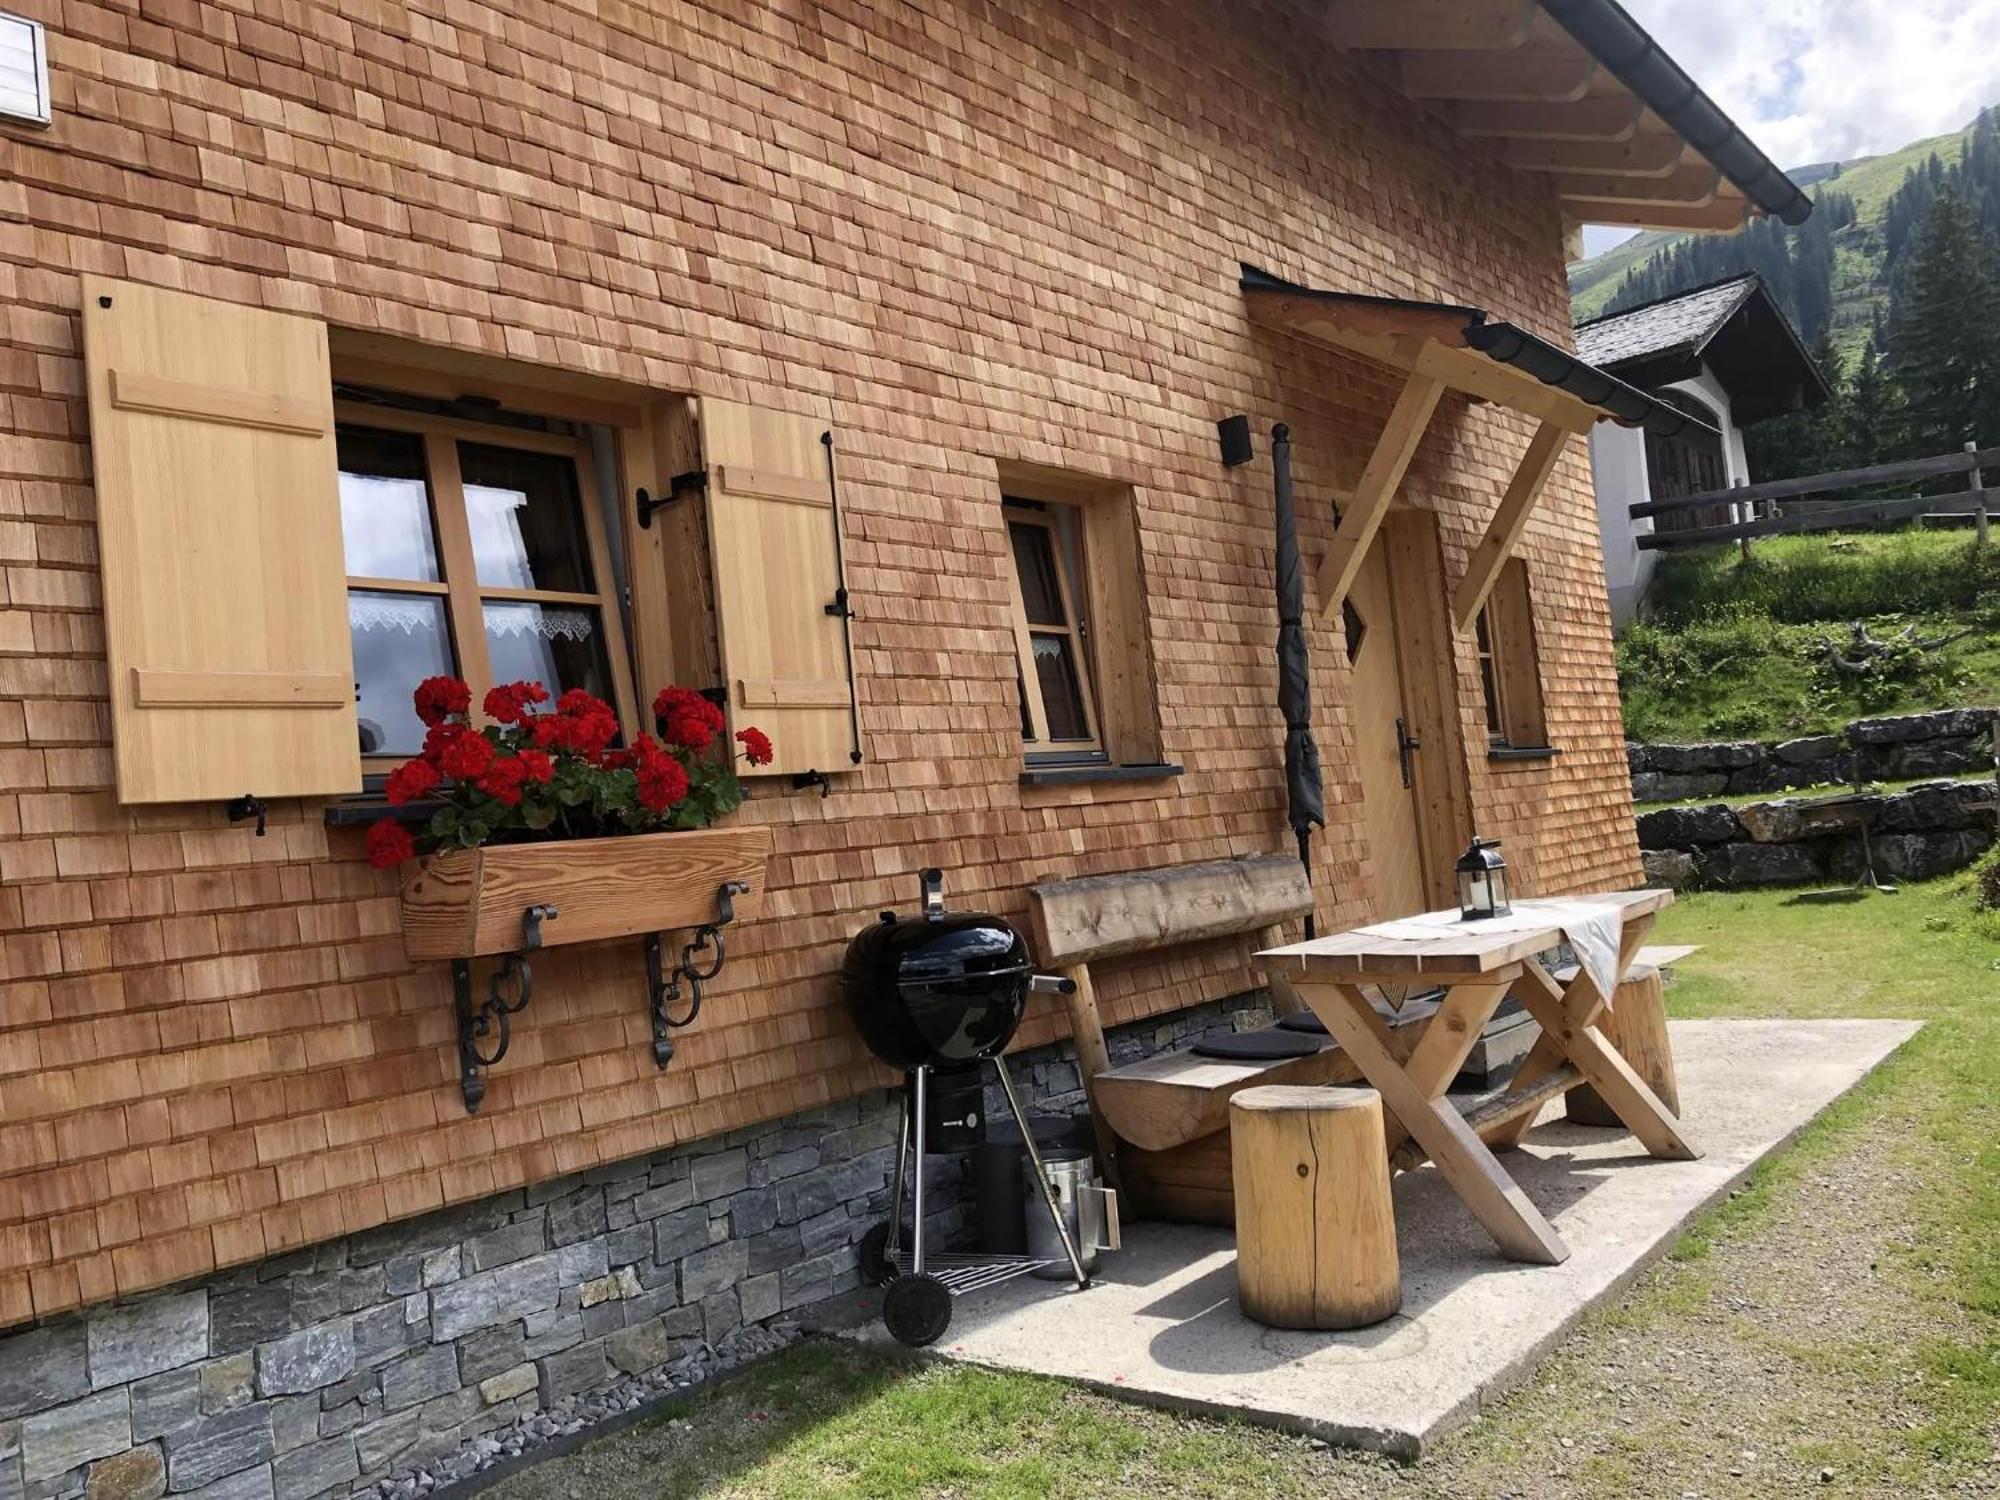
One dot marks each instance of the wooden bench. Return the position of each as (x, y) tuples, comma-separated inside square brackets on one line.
[(1162, 1123)]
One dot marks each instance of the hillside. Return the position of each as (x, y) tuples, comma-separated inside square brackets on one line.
[(1858, 291)]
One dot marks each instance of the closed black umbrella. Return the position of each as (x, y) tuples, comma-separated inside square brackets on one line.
[(1305, 798)]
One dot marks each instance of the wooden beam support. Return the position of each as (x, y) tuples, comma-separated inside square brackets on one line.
[(1551, 77), (1431, 25), (1696, 183), (1510, 519), (1599, 118), (1641, 156), (1476, 375), (1723, 214), (1379, 481)]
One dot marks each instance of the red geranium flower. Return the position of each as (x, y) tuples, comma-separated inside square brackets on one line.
[(686, 718), (756, 746), (411, 780), (502, 780), (437, 698), (466, 757), (536, 766), (663, 780), (509, 702), (389, 844)]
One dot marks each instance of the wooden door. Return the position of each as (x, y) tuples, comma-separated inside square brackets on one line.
[(1382, 719)]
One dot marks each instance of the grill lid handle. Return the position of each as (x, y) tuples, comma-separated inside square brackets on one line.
[(933, 883)]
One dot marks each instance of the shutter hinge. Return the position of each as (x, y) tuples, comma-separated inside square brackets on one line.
[(239, 809), (839, 608), (677, 487)]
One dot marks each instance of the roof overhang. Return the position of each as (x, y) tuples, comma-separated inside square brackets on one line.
[(1578, 91), (1462, 348)]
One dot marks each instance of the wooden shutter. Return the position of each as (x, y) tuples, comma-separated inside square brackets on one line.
[(218, 513), (776, 555)]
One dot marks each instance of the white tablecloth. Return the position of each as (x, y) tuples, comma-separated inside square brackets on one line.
[(1592, 929)]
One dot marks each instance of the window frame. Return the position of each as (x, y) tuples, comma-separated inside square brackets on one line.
[(1021, 510), (458, 582), (1508, 656)]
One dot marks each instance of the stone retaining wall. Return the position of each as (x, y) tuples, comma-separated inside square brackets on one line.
[(325, 1372), (1931, 829), (1900, 748)]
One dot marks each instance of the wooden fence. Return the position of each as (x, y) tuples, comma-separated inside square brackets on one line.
[(1759, 513)]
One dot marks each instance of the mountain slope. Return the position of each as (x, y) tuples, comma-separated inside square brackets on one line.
[(1858, 250)]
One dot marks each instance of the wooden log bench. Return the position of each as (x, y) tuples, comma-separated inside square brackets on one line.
[(1163, 1123)]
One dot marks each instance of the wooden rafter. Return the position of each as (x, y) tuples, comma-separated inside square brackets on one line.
[(1432, 25), (1510, 519), (1377, 487), (1697, 183), (1722, 214), (1537, 76), (1641, 156), (1503, 385), (1606, 118)]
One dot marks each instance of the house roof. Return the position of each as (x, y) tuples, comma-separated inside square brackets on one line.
[(1383, 327), (1577, 90), (1734, 326), (1682, 321)]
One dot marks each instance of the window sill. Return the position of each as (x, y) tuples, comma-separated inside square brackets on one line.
[(1522, 752), (358, 812), (1085, 775)]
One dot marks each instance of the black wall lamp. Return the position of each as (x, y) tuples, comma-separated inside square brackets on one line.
[(1235, 435)]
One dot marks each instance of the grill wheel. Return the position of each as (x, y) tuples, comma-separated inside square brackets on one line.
[(917, 1310)]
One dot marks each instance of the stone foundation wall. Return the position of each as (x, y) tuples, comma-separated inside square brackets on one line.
[(325, 1372), (1900, 748), (1927, 830)]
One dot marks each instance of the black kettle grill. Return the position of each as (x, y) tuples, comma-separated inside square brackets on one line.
[(940, 996)]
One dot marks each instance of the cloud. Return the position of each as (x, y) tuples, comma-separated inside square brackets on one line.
[(1814, 80)]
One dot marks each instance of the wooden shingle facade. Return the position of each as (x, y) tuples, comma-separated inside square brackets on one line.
[(981, 245)]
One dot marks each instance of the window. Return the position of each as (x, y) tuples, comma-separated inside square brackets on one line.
[(1058, 700), (1083, 664), (476, 551), (1509, 671)]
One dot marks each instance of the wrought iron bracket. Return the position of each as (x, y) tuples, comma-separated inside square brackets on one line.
[(483, 1033), (805, 779), (677, 487), (700, 962), (239, 809)]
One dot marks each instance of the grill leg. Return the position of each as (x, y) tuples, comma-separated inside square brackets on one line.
[(921, 1076), (895, 1240), (1041, 1172)]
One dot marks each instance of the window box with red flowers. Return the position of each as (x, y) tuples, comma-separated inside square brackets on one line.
[(540, 811)]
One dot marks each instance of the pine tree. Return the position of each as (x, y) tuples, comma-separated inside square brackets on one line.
[(1805, 442), (1943, 335), (1870, 414)]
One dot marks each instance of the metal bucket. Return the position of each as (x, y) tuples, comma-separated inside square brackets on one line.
[(1089, 1210)]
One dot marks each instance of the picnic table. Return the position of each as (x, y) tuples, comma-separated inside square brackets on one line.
[(1478, 963)]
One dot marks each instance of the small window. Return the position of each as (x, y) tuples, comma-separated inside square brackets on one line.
[(1083, 668), (1509, 670), (474, 552)]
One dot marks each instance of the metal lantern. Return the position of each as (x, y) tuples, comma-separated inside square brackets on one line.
[(1482, 882)]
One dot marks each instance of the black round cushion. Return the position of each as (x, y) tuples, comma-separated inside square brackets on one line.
[(1268, 1045), (1303, 1021)]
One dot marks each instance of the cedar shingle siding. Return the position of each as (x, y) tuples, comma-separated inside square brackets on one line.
[(959, 232)]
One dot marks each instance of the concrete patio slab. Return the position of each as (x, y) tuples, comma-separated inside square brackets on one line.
[(1161, 1325)]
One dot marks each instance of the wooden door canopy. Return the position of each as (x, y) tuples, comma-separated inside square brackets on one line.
[(1446, 346), (1575, 90)]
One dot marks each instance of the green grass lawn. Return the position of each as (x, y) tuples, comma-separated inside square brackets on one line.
[(1735, 652), (1887, 1387)]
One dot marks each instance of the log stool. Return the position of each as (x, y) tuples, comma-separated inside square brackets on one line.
[(1637, 1026), (1315, 1232)]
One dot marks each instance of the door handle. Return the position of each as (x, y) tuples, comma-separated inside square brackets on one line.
[(1406, 743)]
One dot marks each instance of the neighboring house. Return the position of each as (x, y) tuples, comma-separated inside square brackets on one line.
[(1726, 353), (348, 344)]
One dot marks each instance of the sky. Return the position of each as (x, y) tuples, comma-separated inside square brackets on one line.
[(1819, 80)]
